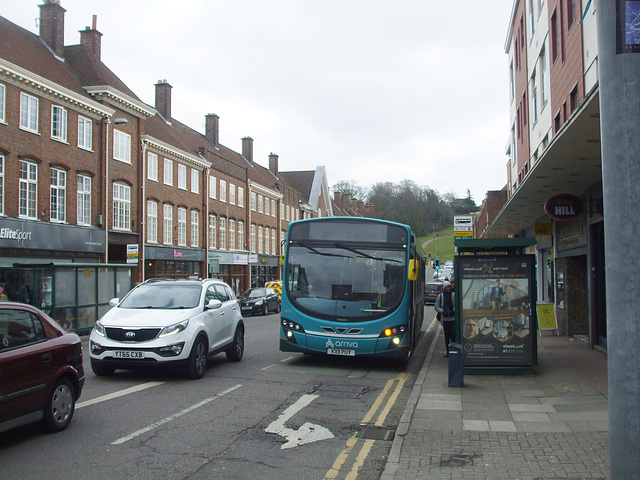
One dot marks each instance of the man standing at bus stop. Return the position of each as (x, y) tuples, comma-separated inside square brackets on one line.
[(445, 302)]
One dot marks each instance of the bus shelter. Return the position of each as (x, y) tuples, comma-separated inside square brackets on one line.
[(496, 320), (75, 295)]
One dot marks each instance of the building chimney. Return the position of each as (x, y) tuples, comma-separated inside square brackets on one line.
[(92, 38), (273, 164), (337, 196), (52, 26), (163, 99), (212, 128), (247, 149)]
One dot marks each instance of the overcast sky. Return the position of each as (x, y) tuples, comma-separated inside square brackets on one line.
[(374, 90)]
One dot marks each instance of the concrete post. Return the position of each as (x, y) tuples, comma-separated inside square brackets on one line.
[(619, 71)]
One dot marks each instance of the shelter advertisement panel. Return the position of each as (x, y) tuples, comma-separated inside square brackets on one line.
[(496, 323)]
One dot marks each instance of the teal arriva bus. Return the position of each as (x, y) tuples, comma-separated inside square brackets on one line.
[(353, 287)]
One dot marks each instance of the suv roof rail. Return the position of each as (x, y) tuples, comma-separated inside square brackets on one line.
[(159, 279)]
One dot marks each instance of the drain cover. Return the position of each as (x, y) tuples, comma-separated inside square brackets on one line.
[(376, 433), (458, 459)]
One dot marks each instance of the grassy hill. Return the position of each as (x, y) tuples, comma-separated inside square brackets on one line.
[(441, 241)]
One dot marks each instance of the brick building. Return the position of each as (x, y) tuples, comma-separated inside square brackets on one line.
[(89, 173), (554, 152)]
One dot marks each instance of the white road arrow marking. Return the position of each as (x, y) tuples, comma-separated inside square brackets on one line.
[(307, 433)]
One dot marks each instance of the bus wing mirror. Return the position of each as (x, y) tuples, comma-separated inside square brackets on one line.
[(413, 270)]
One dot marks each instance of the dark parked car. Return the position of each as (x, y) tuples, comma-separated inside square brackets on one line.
[(431, 291), (41, 373), (259, 301)]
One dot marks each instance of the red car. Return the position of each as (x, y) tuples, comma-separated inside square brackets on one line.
[(41, 373)]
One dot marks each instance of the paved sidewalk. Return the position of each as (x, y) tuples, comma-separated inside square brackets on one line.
[(551, 424)]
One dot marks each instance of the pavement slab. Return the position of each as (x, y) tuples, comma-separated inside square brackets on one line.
[(548, 425)]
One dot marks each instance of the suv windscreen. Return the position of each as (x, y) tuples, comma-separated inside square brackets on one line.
[(165, 296)]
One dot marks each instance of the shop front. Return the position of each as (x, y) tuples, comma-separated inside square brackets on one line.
[(571, 279), (57, 268), (75, 295), (173, 262), (26, 241), (33, 242), (230, 267), (264, 268)]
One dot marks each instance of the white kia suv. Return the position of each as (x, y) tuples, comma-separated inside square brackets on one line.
[(172, 323)]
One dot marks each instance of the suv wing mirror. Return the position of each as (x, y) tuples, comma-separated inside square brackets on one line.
[(213, 304)]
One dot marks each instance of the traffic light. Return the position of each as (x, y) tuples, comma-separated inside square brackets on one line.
[(429, 254), (437, 264)]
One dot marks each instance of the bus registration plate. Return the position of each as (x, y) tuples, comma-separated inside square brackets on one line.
[(341, 351)]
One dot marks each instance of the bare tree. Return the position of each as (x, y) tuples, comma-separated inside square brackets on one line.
[(350, 187)]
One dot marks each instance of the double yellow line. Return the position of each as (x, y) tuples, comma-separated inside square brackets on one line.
[(391, 395)]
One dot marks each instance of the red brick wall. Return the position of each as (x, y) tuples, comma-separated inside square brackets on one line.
[(125, 173), (493, 203), (47, 153), (565, 73), (519, 46)]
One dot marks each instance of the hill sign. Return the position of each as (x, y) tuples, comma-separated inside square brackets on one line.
[(564, 207)]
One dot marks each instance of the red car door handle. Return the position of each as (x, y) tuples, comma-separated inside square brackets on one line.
[(46, 358)]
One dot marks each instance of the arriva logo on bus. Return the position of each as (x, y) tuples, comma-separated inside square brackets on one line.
[(341, 344)]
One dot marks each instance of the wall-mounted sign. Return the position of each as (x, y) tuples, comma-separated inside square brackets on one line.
[(460, 221), (132, 253), (627, 34), (564, 207), (542, 229), (34, 235)]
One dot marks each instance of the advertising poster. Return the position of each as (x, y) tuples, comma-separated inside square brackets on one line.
[(495, 322)]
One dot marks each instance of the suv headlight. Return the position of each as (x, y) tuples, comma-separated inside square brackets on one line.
[(99, 329), (173, 329)]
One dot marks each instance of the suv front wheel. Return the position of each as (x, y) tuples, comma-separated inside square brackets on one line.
[(197, 363)]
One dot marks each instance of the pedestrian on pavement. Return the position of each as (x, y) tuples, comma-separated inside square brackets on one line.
[(445, 306)]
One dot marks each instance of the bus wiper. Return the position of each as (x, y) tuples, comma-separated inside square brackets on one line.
[(309, 247), (365, 255)]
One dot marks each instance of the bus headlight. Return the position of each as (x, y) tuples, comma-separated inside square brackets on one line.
[(394, 335), (394, 331), (289, 327)]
